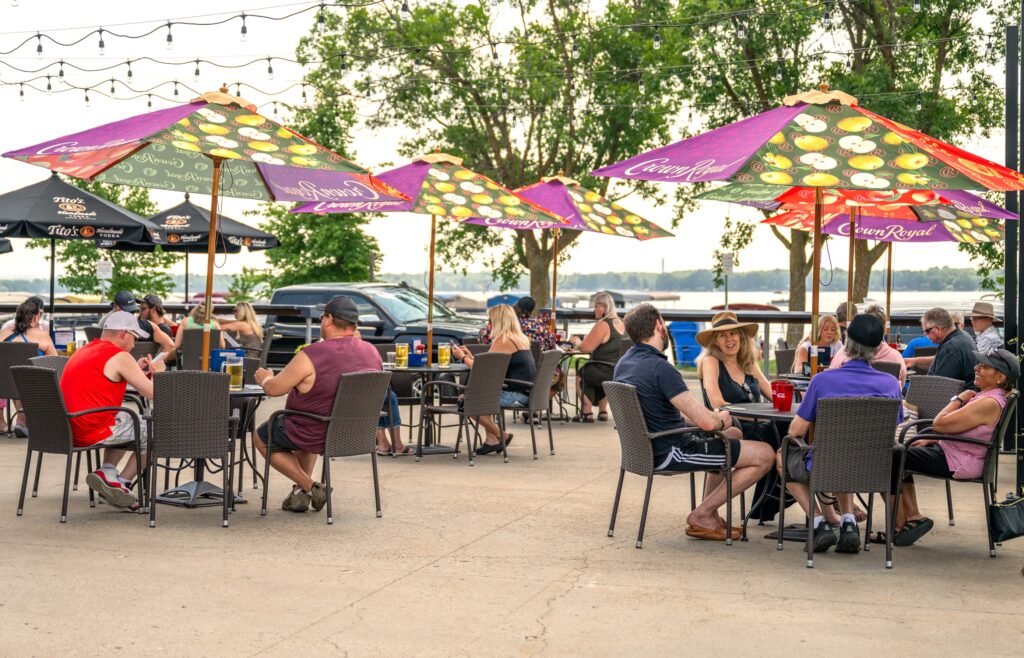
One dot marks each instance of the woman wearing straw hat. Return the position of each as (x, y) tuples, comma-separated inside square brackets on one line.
[(727, 367)]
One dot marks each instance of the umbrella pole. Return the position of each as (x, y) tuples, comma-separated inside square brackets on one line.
[(853, 257), (53, 269), (186, 277), (430, 287), (816, 266), (554, 280), (210, 253), (888, 293)]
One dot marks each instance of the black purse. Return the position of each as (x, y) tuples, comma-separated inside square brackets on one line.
[(1006, 519)]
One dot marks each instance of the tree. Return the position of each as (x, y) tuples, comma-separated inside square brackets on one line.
[(247, 285), (923, 68), (141, 272), (313, 248), (557, 89)]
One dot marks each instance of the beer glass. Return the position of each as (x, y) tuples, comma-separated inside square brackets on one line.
[(402, 355), (391, 359), (70, 348), (444, 355), (233, 365)]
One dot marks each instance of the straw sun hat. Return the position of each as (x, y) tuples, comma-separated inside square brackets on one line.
[(725, 321)]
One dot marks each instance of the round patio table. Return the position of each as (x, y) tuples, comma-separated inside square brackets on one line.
[(425, 372)]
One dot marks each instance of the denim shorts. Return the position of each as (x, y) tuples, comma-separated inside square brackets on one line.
[(396, 419), (514, 399)]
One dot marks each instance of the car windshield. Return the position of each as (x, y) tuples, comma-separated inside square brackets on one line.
[(407, 305)]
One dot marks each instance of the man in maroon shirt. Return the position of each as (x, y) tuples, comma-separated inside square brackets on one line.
[(311, 381)]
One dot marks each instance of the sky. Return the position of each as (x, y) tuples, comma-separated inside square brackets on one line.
[(403, 237)]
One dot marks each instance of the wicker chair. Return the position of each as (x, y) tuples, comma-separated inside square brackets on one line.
[(405, 385), (49, 427), (351, 428), (784, 362), (624, 345), (92, 333), (478, 348), (191, 355), (853, 444), (247, 420), (930, 394), (988, 479), (13, 354), (540, 396), (887, 367), (638, 456), (924, 351), (191, 421), (470, 341), (259, 353), (481, 396), (55, 363), (144, 348)]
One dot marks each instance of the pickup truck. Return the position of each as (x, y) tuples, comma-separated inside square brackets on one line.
[(388, 313)]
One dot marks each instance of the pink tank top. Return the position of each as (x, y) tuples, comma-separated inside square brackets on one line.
[(967, 460)]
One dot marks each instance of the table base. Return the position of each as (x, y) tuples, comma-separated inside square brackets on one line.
[(792, 532), (194, 494)]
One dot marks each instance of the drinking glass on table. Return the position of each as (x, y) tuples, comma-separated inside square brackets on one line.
[(402, 355), (444, 355), (233, 365), (391, 359)]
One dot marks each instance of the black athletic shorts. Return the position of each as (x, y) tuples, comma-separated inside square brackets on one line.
[(693, 452)]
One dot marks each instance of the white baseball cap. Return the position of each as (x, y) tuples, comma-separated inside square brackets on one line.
[(124, 321)]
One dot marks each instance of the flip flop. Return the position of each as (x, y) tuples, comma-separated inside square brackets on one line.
[(508, 439), (912, 531), (877, 537), (407, 450), (716, 534)]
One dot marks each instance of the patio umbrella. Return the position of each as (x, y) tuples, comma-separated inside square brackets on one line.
[(218, 143), (5, 246), (438, 185), (909, 205), (55, 210), (819, 139), (585, 210), (186, 228), (874, 225)]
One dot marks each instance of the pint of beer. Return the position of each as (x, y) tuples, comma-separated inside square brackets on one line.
[(402, 355), (233, 365), (444, 355)]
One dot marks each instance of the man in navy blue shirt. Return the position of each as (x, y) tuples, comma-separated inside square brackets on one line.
[(667, 405), (855, 378)]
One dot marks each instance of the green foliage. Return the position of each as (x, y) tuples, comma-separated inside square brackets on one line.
[(139, 272), (568, 99), (248, 285), (989, 258), (313, 248)]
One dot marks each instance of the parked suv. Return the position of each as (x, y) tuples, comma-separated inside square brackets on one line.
[(388, 313)]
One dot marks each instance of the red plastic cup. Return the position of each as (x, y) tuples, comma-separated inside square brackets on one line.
[(776, 392), (786, 396)]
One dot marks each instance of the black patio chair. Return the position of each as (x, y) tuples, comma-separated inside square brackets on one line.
[(49, 428), (12, 354), (406, 386), (853, 445), (989, 475), (351, 428), (478, 348), (144, 348), (191, 419), (191, 355), (638, 456), (92, 333), (540, 397), (57, 363), (930, 394), (887, 367), (481, 396), (784, 362)]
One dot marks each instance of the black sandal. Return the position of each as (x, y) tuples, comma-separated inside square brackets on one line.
[(877, 537), (583, 418), (912, 531), (602, 416)]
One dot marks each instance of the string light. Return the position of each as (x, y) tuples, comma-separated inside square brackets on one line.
[(632, 118), (175, 87), (111, 86), (170, 37), (778, 71), (494, 53), (741, 30), (245, 30), (103, 46), (149, 100), (920, 57), (21, 92), (575, 49), (826, 12), (917, 5), (918, 103), (640, 86), (196, 73), (129, 62), (321, 20), (303, 91), (275, 108), (270, 69), (49, 88), (238, 89), (39, 45), (405, 13), (656, 42), (60, 71), (87, 98)]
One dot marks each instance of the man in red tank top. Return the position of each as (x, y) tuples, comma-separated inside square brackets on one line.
[(311, 381), (97, 376)]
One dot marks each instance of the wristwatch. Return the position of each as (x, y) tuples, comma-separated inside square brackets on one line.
[(959, 399)]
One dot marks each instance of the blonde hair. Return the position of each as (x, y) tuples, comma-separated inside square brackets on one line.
[(504, 322), (610, 312), (198, 314), (746, 357), (821, 321), (247, 314)]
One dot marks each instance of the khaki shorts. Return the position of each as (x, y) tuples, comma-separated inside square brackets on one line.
[(123, 431)]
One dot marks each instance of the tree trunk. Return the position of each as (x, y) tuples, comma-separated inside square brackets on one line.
[(538, 262), (864, 259), (798, 269)]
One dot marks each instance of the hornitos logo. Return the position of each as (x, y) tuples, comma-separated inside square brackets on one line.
[(75, 147), (310, 191), (696, 172), (890, 232)]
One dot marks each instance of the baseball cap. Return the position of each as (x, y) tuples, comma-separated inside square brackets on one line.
[(1003, 361), (866, 330), (125, 301), (124, 321), (342, 308), (153, 300)]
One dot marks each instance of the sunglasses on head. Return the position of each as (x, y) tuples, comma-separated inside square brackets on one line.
[(994, 354)]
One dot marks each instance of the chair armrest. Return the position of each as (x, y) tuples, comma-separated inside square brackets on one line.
[(97, 410), (519, 381), (296, 412), (680, 430), (438, 382), (947, 437), (233, 420), (907, 427), (596, 362)]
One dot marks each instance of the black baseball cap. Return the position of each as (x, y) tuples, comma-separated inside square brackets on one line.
[(1003, 361), (153, 300), (126, 301), (342, 308), (866, 330)]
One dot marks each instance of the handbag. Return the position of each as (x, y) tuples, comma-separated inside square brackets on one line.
[(1006, 519)]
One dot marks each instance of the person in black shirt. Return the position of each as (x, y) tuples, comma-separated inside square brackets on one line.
[(955, 356), (667, 404)]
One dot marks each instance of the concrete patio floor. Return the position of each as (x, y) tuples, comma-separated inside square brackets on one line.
[(495, 560)]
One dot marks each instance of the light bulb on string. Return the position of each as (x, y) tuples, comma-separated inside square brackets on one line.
[(405, 12), (175, 87), (275, 108), (918, 103), (195, 74), (60, 71), (21, 92), (632, 118), (170, 37), (575, 49), (321, 20), (112, 86), (826, 12), (920, 58), (103, 46), (49, 87), (149, 100), (87, 98), (303, 92), (245, 30), (39, 45), (129, 70), (494, 53), (778, 71), (270, 69), (656, 42), (641, 86), (238, 89), (917, 5), (741, 30)]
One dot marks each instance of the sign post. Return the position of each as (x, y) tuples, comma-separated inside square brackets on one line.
[(104, 272), (727, 262)]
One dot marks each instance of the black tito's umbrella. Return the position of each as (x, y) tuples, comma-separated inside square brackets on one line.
[(5, 246), (54, 210)]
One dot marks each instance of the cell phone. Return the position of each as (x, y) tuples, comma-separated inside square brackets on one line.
[(160, 356)]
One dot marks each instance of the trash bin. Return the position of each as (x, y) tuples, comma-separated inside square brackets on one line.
[(684, 336)]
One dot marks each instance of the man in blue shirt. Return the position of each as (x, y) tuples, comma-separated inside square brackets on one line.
[(667, 405), (855, 378), (920, 341)]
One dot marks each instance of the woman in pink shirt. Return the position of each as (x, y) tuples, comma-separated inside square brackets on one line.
[(970, 414), (884, 353)]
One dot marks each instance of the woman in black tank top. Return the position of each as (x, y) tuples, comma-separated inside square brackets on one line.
[(605, 344)]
